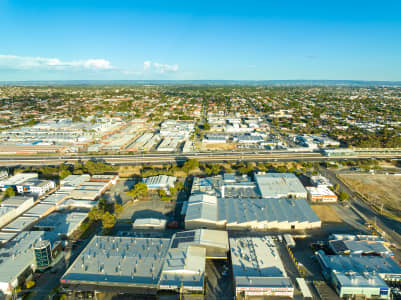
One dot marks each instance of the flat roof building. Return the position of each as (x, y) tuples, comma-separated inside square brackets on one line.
[(13, 207), (62, 223), (205, 211), (159, 182), (17, 259), (280, 185), (258, 269), (321, 194), (16, 180), (146, 265)]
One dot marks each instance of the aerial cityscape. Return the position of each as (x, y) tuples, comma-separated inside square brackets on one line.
[(215, 150)]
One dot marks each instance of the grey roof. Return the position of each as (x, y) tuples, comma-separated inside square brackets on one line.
[(119, 260), (278, 185), (202, 207), (16, 201), (20, 223), (244, 211), (62, 223), (383, 265), (360, 280), (161, 181), (55, 198), (39, 210), (257, 263), (74, 180), (201, 237), (17, 255), (184, 266), (359, 247)]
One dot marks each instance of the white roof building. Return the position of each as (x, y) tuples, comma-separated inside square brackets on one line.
[(258, 269)]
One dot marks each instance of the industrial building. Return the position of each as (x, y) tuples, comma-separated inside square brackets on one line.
[(226, 185), (344, 247), (280, 185), (320, 181), (35, 187), (258, 269), (61, 223), (71, 182), (237, 203), (321, 194), (206, 211), (366, 275), (17, 180), (13, 207), (133, 265), (146, 265), (18, 261), (160, 182)]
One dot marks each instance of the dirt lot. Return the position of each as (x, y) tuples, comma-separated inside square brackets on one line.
[(377, 188), (218, 146), (326, 213)]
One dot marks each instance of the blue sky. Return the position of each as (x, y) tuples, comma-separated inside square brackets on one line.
[(243, 40)]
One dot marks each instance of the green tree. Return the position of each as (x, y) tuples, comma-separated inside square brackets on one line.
[(64, 173), (108, 220), (190, 165), (10, 192), (344, 196), (139, 190), (118, 208), (95, 214)]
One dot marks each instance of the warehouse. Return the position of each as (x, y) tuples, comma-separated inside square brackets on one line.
[(61, 223), (56, 198), (226, 185), (146, 265), (258, 269), (356, 274), (89, 190), (13, 207), (280, 185), (160, 182), (205, 211), (214, 241), (18, 261), (133, 265), (184, 270), (20, 224), (321, 194), (71, 182), (320, 181), (40, 210), (202, 212), (169, 144), (17, 180), (348, 247)]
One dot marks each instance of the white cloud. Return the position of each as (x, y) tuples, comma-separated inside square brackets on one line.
[(26, 63), (147, 64), (159, 68)]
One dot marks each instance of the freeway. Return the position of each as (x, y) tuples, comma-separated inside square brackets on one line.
[(164, 158)]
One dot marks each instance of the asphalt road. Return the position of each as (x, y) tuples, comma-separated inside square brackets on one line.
[(162, 158)]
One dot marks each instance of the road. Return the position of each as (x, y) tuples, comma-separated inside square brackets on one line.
[(207, 157), (391, 227)]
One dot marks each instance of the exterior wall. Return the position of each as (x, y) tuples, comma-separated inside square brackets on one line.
[(267, 291)]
